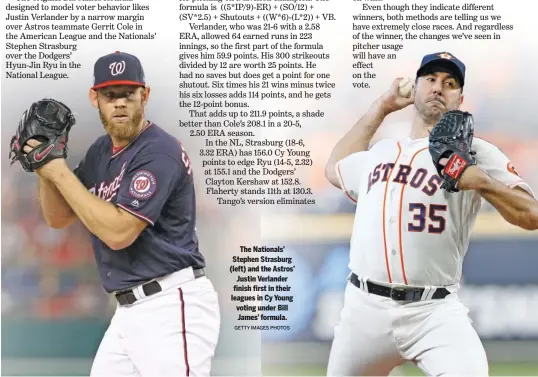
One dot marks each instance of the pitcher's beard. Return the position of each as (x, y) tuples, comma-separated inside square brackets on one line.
[(122, 131), (429, 114), (432, 116)]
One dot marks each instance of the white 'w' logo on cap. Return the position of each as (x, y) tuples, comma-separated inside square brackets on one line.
[(117, 68)]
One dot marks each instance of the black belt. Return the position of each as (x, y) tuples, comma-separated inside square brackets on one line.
[(397, 293), (128, 297)]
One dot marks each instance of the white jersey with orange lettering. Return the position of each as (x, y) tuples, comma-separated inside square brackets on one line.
[(406, 255), (406, 229)]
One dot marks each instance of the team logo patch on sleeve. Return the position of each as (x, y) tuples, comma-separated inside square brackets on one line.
[(143, 185)]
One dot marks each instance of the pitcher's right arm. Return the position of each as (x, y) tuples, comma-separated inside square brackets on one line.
[(57, 213)]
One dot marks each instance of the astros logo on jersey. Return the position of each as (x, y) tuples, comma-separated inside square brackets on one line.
[(405, 174)]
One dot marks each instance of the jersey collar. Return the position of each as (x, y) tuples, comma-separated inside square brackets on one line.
[(117, 151), (418, 141)]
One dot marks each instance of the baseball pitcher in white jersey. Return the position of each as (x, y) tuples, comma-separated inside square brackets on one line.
[(410, 234)]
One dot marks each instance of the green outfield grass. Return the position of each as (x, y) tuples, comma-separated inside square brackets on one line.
[(519, 369)]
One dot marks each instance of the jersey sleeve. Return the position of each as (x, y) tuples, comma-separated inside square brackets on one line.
[(349, 174), (147, 184), (496, 164), (83, 170), (79, 171)]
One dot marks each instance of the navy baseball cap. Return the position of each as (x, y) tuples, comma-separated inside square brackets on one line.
[(118, 68), (446, 60)]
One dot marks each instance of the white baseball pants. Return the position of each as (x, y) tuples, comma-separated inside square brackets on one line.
[(171, 333), (375, 334)]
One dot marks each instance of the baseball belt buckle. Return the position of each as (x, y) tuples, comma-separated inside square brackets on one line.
[(405, 294), (126, 297)]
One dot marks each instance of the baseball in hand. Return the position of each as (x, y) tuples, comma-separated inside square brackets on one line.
[(405, 86)]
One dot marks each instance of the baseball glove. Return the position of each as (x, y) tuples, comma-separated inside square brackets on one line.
[(49, 122), (452, 138)]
